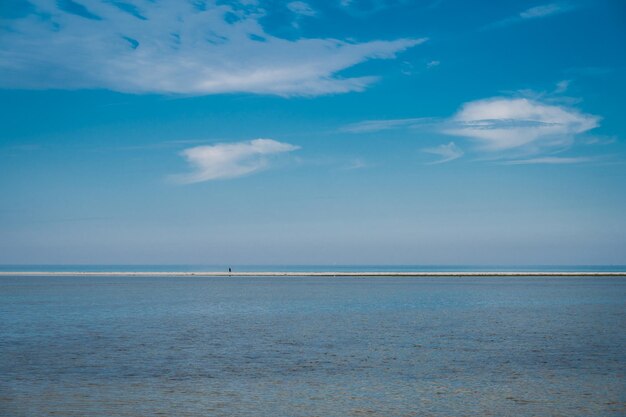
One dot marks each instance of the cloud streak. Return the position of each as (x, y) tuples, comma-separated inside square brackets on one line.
[(176, 47), (543, 11), (549, 160), (368, 126), (448, 153), (301, 8), (230, 160), (536, 12)]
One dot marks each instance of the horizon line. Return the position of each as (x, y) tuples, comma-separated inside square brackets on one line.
[(322, 274)]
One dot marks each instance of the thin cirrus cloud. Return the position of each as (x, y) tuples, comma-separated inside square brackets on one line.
[(368, 126), (177, 47), (558, 160), (536, 12), (301, 8), (447, 153), (230, 160)]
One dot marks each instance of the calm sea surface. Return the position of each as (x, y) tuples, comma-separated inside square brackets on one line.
[(142, 346)]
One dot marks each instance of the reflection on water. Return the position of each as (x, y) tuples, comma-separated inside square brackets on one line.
[(115, 346)]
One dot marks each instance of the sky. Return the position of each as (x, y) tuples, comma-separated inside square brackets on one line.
[(312, 132)]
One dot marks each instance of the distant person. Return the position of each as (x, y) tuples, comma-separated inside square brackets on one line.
[(230, 270)]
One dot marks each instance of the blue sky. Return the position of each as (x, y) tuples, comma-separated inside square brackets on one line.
[(312, 132)]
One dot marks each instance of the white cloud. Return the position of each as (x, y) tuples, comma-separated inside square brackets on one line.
[(562, 86), (368, 126), (536, 12), (301, 8), (367, 8), (501, 124), (230, 160), (176, 47), (542, 11), (433, 63), (357, 163), (448, 152), (549, 160), (504, 128)]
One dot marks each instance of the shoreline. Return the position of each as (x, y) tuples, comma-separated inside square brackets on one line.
[(316, 274)]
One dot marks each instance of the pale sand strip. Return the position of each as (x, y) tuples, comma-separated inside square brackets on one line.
[(316, 274)]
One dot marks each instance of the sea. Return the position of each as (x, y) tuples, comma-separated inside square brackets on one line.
[(311, 346)]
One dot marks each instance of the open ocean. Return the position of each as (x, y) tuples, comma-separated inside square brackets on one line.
[(301, 346)]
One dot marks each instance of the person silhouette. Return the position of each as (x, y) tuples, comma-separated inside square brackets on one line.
[(230, 270)]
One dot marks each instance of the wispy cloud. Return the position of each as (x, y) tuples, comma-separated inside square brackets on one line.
[(356, 163), (501, 124), (301, 8), (543, 11), (176, 47), (448, 152), (368, 126), (358, 8), (536, 12), (230, 160), (409, 68), (549, 160), (598, 140), (562, 86), (554, 96)]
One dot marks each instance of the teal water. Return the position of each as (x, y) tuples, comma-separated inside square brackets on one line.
[(145, 346)]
